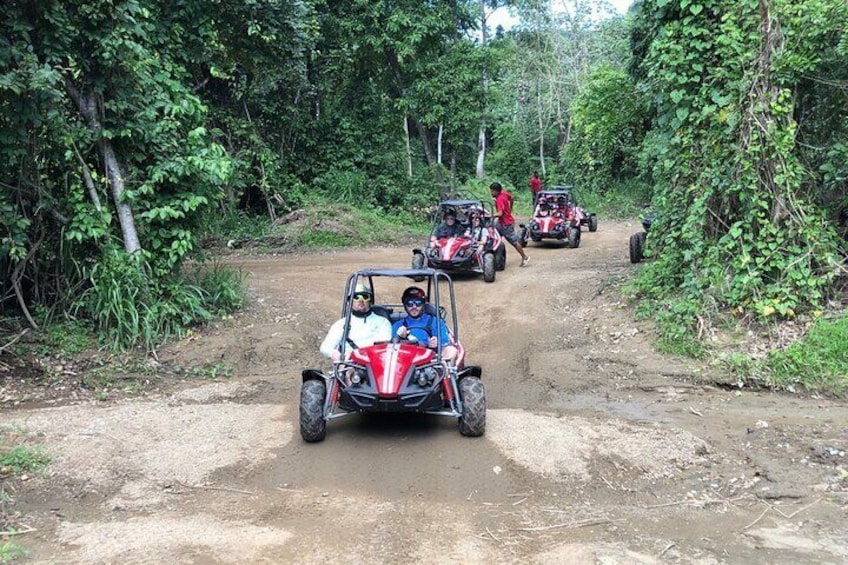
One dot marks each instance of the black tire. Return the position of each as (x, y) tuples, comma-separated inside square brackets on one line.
[(489, 267), (313, 426), (418, 263), (593, 223), (524, 236), (472, 423), (637, 247), (500, 258), (574, 238)]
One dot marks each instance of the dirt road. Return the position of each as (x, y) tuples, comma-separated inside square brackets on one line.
[(597, 449)]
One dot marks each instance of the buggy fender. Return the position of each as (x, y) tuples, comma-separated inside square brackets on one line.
[(470, 371), (312, 375)]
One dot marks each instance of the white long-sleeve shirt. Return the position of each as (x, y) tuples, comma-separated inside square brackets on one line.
[(363, 332)]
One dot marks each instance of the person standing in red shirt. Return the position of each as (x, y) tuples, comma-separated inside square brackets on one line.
[(504, 222), (535, 187)]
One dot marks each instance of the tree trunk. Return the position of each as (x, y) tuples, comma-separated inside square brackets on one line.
[(425, 140), (439, 144), (408, 147), (481, 150), (89, 108), (481, 137)]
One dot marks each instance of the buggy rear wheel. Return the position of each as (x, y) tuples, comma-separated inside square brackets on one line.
[(500, 258), (472, 422), (313, 426), (489, 267), (593, 223), (637, 247)]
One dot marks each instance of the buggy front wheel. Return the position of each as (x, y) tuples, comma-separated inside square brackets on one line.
[(593, 223), (472, 422), (574, 238), (489, 267), (313, 426), (500, 258)]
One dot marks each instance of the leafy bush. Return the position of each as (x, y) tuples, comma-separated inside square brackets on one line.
[(129, 306)]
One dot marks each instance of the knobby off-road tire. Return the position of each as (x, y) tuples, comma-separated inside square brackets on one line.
[(500, 258), (472, 423), (313, 426), (593, 223), (489, 267), (574, 238), (637, 247)]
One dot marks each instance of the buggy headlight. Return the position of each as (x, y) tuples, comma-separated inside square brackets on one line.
[(358, 376), (425, 376)]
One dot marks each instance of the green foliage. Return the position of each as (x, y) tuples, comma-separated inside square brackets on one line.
[(10, 552), (676, 322), (607, 128), (131, 306), (737, 226), (817, 362), (22, 459), (510, 160)]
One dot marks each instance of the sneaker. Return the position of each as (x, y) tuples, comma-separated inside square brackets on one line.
[(525, 261)]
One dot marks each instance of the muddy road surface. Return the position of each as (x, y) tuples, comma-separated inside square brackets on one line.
[(597, 448)]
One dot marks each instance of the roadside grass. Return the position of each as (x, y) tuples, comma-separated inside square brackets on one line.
[(21, 460), (10, 552), (16, 461), (817, 362)]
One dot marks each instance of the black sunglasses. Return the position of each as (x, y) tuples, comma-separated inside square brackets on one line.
[(362, 296), (414, 302)]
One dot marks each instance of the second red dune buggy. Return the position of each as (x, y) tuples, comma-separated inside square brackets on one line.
[(457, 246)]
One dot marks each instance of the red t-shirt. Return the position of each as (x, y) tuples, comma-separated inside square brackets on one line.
[(535, 184), (503, 205)]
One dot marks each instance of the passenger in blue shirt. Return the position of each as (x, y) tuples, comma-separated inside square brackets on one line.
[(426, 328)]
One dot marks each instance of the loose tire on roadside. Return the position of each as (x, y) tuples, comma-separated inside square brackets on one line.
[(489, 267), (313, 426), (472, 423), (637, 247)]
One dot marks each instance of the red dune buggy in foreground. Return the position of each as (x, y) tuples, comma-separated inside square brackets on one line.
[(399, 375)]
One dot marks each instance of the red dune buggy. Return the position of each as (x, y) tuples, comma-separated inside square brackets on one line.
[(462, 250), (556, 216), (399, 375)]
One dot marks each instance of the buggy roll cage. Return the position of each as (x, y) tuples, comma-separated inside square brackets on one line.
[(435, 279)]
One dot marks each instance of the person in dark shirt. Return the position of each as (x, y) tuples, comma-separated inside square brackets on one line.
[(448, 228)]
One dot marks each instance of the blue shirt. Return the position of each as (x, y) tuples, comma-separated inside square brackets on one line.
[(423, 327)]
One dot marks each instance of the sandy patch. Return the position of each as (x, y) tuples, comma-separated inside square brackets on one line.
[(564, 447), (159, 539), (154, 442)]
